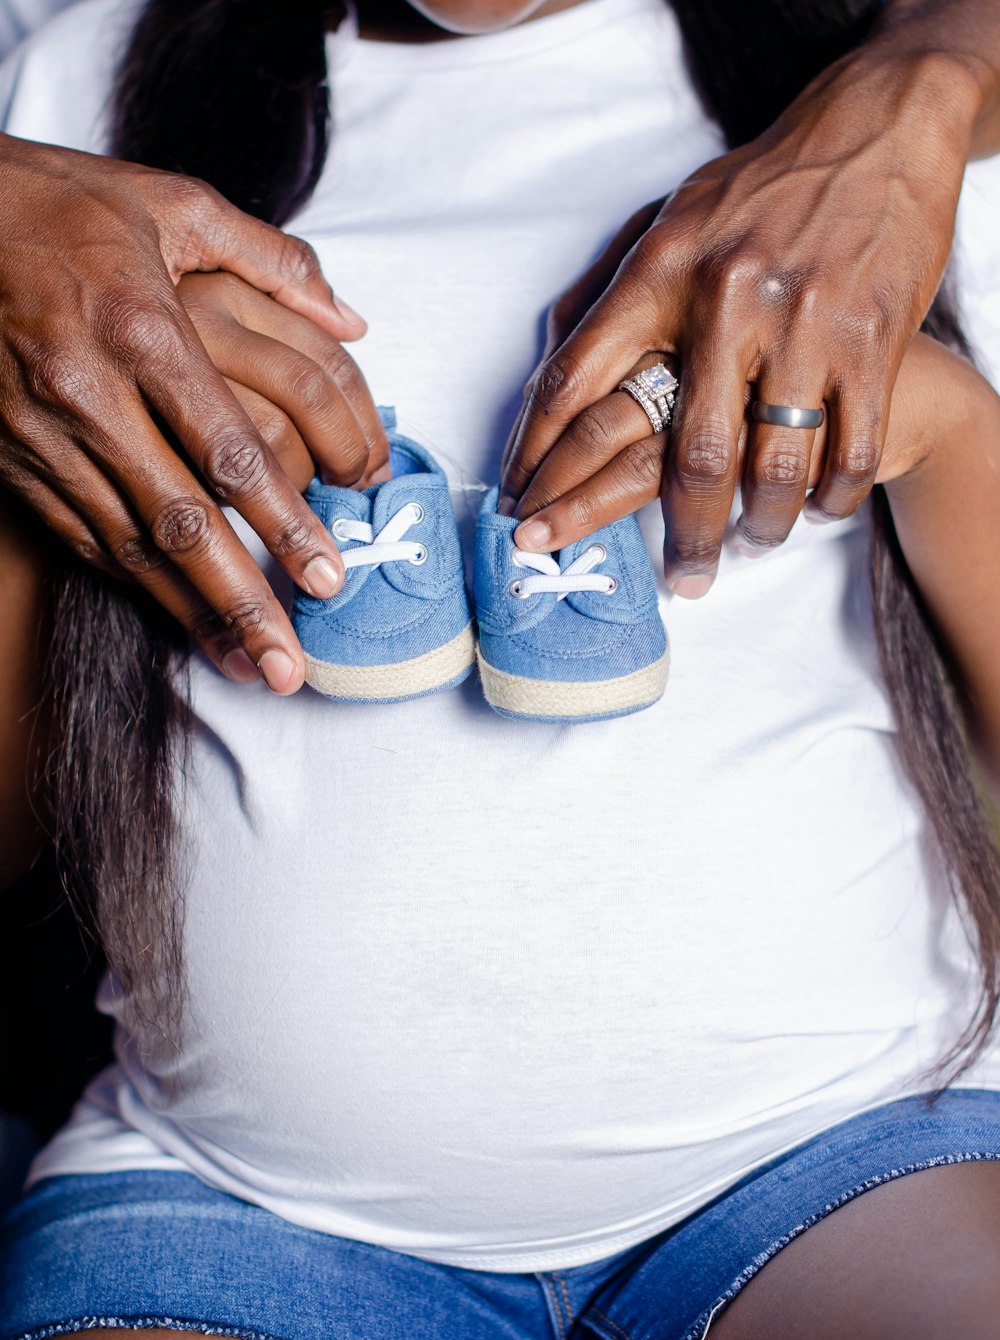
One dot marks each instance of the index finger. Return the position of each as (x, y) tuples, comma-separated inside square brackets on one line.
[(174, 373), (584, 369)]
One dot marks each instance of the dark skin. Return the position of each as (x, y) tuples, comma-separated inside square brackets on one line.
[(88, 347), (916, 1259), (801, 265), (712, 273)]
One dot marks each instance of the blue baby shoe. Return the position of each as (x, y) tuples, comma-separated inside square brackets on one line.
[(573, 636), (400, 625)]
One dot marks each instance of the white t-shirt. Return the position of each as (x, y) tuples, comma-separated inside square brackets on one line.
[(505, 995), (18, 18)]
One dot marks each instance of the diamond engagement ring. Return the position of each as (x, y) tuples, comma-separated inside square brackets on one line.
[(653, 390)]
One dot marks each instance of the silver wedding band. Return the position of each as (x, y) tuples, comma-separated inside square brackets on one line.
[(653, 390), (786, 416)]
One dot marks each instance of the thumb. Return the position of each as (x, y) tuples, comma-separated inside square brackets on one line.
[(205, 232)]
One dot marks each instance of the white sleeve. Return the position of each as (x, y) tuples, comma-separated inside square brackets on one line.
[(977, 259)]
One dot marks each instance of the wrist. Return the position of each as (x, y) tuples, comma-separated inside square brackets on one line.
[(951, 49)]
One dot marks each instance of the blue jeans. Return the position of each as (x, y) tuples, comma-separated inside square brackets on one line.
[(161, 1249)]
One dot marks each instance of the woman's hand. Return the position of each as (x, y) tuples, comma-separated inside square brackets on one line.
[(613, 457), (116, 427), (299, 386), (800, 264)]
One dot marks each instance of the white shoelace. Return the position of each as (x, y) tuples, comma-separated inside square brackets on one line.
[(388, 546), (576, 576)]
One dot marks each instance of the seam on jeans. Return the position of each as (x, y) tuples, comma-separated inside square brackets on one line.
[(556, 1304), (699, 1329), (613, 1324), (114, 1323), (565, 1293)]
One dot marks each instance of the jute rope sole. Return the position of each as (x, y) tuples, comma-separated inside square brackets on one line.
[(403, 679), (573, 698)]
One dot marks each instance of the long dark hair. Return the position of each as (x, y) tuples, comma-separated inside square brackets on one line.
[(234, 91)]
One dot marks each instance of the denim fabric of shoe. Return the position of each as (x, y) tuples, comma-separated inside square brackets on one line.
[(400, 625), (574, 636)]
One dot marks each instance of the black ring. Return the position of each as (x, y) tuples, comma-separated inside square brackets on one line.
[(786, 416)]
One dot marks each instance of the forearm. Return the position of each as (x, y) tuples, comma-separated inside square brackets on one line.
[(947, 516), (968, 32)]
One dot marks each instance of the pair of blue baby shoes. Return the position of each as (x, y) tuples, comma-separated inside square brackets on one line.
[(570, 637)]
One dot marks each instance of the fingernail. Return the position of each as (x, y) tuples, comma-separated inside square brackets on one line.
[(533, 534), (277, 669), (507, 505), (692, 588), (237, 666), (814, 515), (745, 546), (321, 578), (348, 312)]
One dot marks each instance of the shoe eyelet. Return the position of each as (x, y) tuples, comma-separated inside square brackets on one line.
[(612, 585), (601, 550), (516, 559), (418, 513), (421, 557), (336, 530), (516, 589)]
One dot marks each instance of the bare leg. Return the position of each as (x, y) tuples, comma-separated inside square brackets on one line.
[(916, 1259)]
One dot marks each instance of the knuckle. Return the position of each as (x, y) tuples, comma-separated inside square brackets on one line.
[(810, 298), (706, 460), (594, 433), (858, 463), (790, 288), (247, 619), (180, 526), (348, 465), (141, 331), (294, 537), (209, 628), (300, 259), (237, 466), (86, 548), (340, 367), (777, 285), (275, 429), (137, 554), (191, 196), (645, 462), (783, 469), (57, 374), (311, 387), (877, 321), (736, 271), (555, 386), (866, 331)]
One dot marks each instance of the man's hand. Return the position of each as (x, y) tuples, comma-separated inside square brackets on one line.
[(800, 264), (116, 426)]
